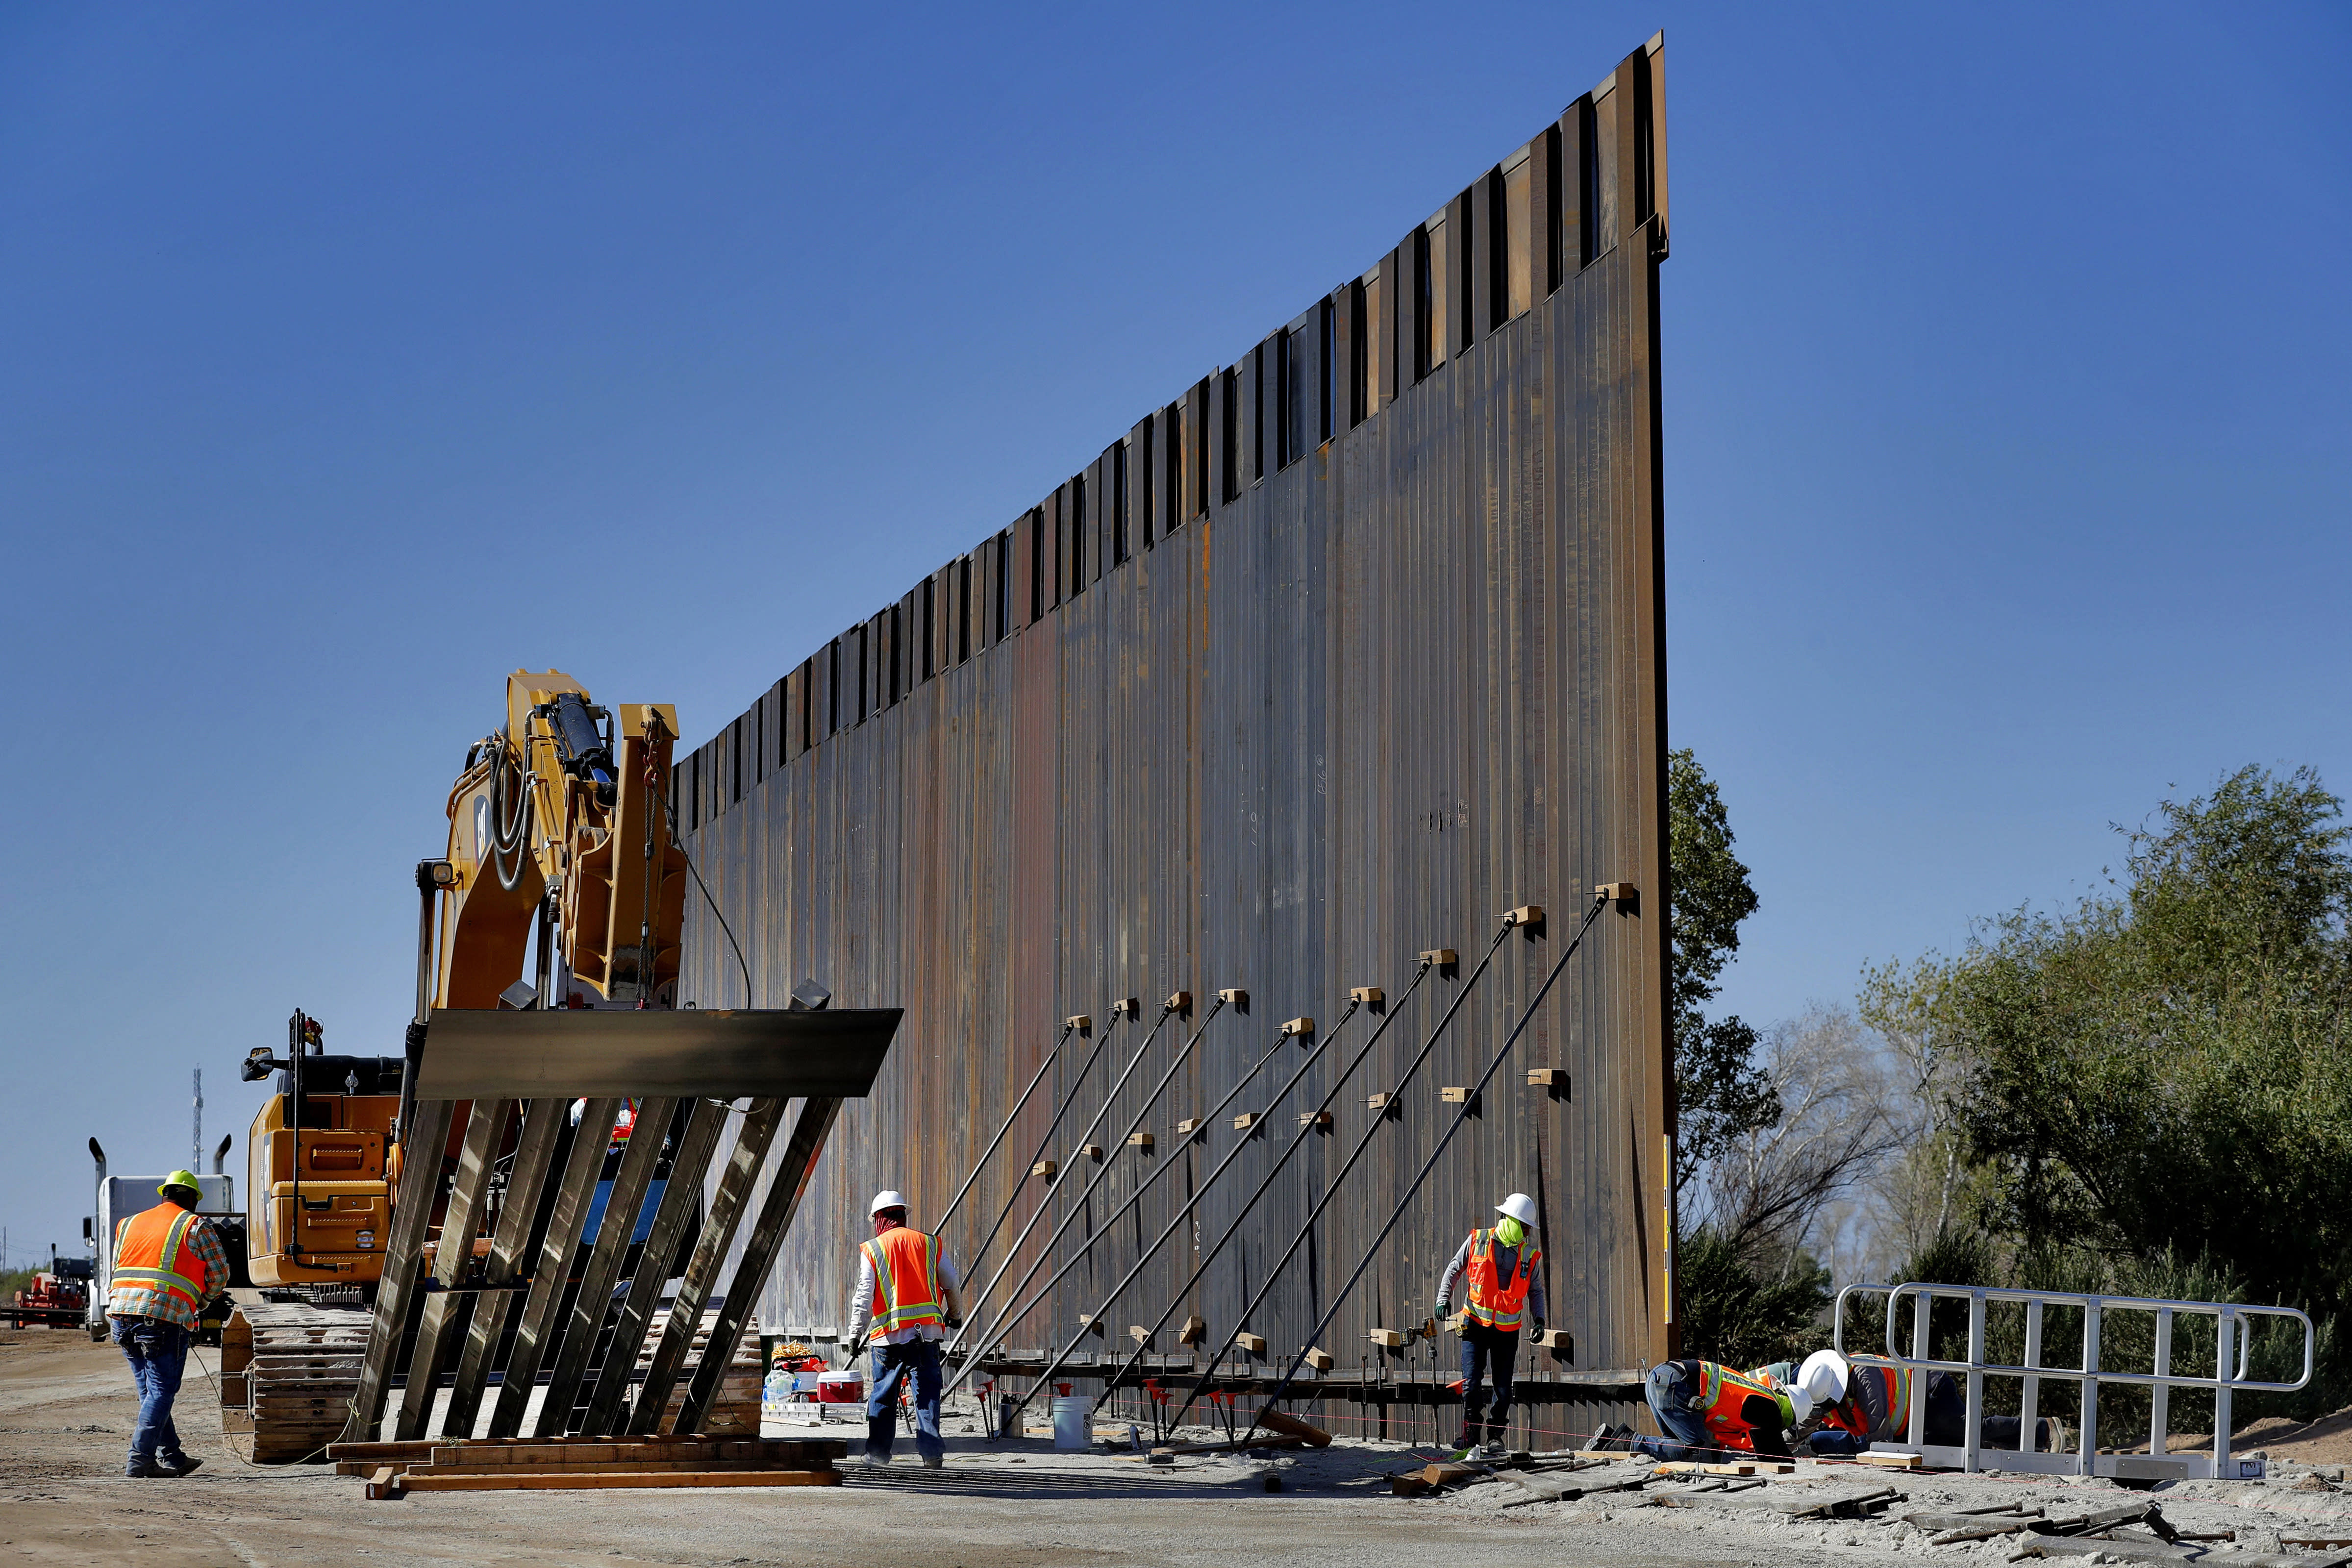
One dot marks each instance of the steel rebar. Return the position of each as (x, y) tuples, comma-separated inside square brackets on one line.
[(1053, 1183), (1510, 924), (1469, 1102)]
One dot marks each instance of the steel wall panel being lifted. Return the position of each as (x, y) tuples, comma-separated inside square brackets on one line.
[(1319, 719)]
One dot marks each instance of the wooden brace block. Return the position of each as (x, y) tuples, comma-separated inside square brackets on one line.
[(1615, 892), (1444, 958), (1179, 1002), (1389, 1339), (1556, 1338), (1320, 1359), (1193, 1332), (1298, 1026), (1369, 996), (1314, 1118), (1043, 1168), (1089, 1322), (1130, 1006), (1138, 1333), (1525, 915), (1234, 998), (1454, 1096), (1090, 1151), (1188, 1126), (1546, 1077), (1246, 1121), (1290, 1425), (1078, 1022), (1891, 1461), (1253, 1344), (1139, 1141), (1379, 1102)]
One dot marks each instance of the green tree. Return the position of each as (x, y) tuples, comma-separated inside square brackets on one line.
[(2164, 1071), (1720, 1092)]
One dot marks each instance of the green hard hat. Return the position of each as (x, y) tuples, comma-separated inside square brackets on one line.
[(181, 1179)]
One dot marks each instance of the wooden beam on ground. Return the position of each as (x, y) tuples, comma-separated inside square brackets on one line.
[(543, 1121), (576, 1188), (735, 1184), (589, 1304), (810, 1130), (681, 1205), (420, 1183), (600, 1480), (485, 1127)]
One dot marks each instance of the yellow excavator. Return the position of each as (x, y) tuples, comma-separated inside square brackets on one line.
[(533, 1145)]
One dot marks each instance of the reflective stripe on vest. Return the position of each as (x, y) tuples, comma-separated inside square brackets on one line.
[(1852, 1414), (1723, 1397), (906, 1279), (150, 1253), (1495, 1302)]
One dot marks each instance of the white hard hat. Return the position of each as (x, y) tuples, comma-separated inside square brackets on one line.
[(1823, 1376), (1801, 1400), (1519, 1207), (887, 1199)]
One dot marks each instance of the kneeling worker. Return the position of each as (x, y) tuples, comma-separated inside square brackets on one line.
[(1710, 1411), (1505, 1271), (168, 1267), (906, 1302), (1857, 1405)]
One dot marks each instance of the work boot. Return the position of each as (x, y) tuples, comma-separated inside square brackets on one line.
[(935, 1461), (176, 1464), (138, 1469), (1466, 1445)]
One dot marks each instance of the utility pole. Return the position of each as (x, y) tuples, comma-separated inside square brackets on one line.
[(196, 1131)]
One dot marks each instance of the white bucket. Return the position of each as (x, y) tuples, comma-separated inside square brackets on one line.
[(1074, 1423)]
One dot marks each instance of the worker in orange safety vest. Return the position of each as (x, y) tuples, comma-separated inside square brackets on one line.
[(168, 1267), (1505, 1270), (906, 1302), (1708, 1411)]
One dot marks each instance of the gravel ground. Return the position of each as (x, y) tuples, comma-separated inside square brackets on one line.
[(65, 1410)]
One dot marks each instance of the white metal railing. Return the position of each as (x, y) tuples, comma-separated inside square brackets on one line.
[(2233, 1344)]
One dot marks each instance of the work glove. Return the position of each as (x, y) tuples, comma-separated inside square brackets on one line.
[(1538, 1324), (1445, 1308)]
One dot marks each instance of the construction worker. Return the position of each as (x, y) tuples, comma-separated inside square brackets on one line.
[(1505, 1268), (906, 1302), (1708, 1410), (1855, 1407), (168, 1267)]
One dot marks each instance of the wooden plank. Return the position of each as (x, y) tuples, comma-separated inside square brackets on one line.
[(606, 1480)]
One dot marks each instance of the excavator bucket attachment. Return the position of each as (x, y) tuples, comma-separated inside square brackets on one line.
[(472, 1054)]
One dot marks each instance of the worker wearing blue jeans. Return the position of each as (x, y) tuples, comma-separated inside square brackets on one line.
[(158, 1354), (892, 1365)]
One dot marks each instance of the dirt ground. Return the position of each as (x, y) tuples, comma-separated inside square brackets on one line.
[(67, 1408)]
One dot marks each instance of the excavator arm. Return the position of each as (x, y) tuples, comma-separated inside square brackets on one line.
[(561, 819)]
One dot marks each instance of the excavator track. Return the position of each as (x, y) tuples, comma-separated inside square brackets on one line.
[(288, 1374)]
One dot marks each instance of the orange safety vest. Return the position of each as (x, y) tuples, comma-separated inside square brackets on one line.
[(1852, 1414), (905, 1281), (1723, 1396), (1497, 1302), (151, 1253)]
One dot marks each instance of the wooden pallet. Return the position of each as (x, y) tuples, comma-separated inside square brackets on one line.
[(576, 1464)]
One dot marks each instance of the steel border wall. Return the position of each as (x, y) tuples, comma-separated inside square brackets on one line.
[(1355, 643)]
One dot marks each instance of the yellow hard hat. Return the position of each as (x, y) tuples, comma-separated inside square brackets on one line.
[(181, 1179)]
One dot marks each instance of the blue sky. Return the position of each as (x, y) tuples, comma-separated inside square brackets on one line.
[(349, 359)]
